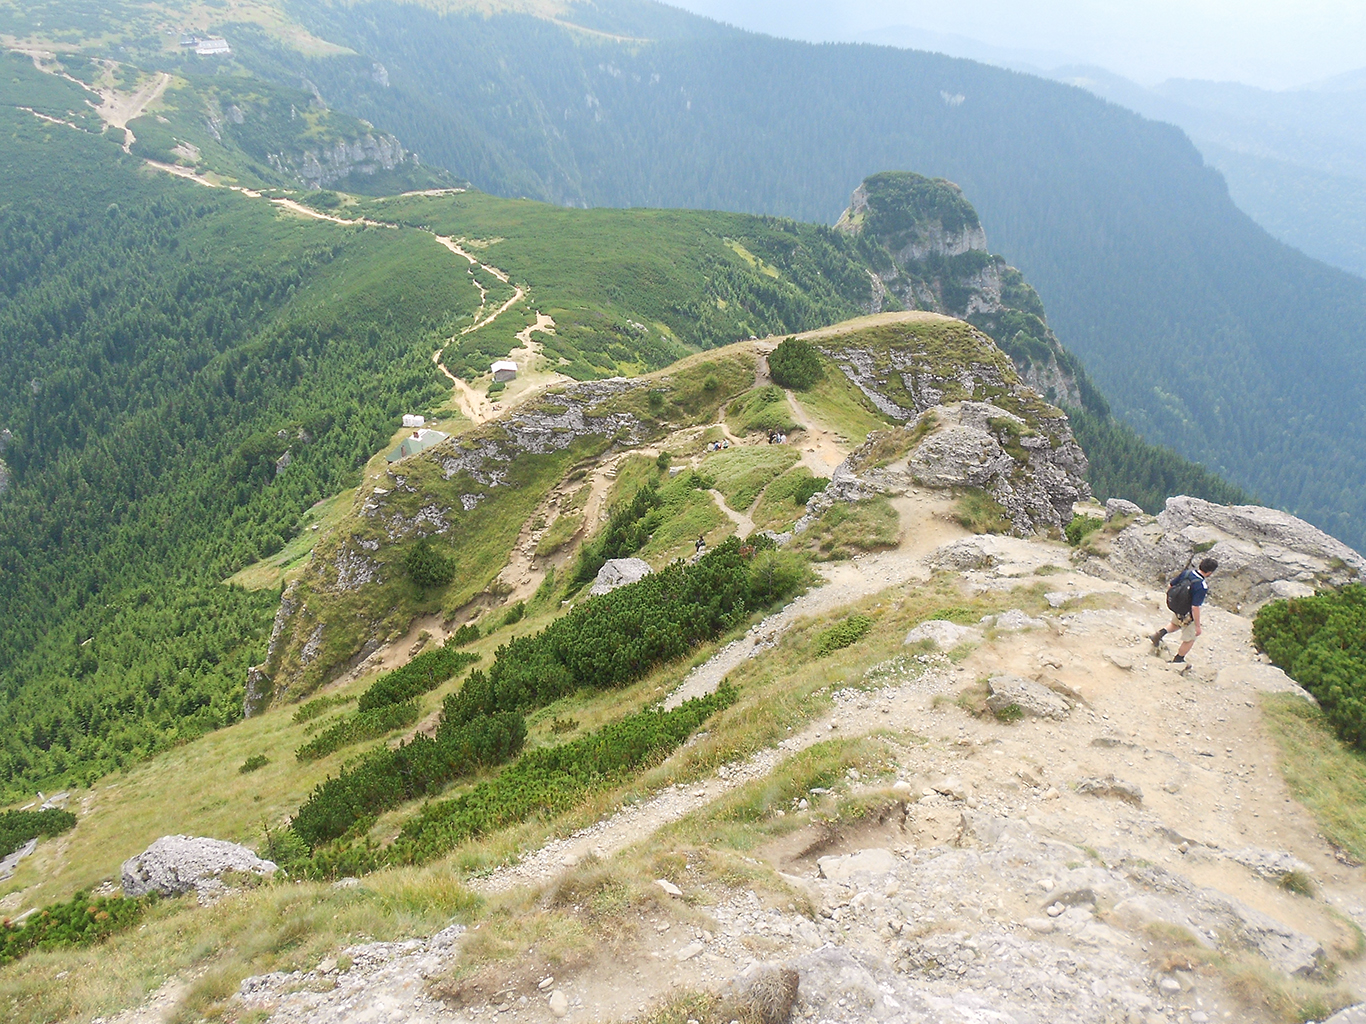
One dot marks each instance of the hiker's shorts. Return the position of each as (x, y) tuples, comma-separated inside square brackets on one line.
[(1187, 628)]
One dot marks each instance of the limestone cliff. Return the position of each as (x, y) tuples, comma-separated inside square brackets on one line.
[(325, 165), (929, 251)]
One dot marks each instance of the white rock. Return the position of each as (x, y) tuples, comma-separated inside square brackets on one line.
[(875, 861), (618, 572), (177, 864), (689, 951), (1118, 658), (1014, 619), (1040, 925), (559, 1003), (943, 634), (1030, 697), (668, 887), (1120, 507), (1273, 865)]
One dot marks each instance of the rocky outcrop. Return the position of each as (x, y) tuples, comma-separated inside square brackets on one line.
[(1033, 699), (178, 864), (618, 572), (937, 259), (1036, 477), (260, 688), (1263, 553), (943, 634), (329, 164)]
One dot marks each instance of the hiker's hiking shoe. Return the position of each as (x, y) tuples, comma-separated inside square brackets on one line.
[(1178, 660), (1156, 638)]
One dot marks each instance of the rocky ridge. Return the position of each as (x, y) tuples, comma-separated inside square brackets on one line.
[(1012, 446), (1096, 863)]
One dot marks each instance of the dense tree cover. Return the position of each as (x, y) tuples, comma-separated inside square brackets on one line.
[(18, 827), (795, 364), (164, 345), (1205, 333), (1320, 641)]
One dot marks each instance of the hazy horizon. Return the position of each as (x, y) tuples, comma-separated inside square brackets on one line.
[(1272, 46)]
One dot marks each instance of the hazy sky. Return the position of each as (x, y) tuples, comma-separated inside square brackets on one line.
[(1270, 43)]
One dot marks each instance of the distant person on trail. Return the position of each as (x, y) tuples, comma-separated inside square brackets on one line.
[(701, 542), (1185, 597)]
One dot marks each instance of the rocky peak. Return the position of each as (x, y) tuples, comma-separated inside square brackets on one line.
[(930, 253), (915, 218)]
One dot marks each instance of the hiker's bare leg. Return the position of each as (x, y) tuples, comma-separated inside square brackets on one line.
[(1185, 648)]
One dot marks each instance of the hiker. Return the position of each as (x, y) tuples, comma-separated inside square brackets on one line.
[(1185, 597), (701, 542)]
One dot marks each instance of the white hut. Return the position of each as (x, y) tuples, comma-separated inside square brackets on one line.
[(212, 48), (409, 420), (504, 370)]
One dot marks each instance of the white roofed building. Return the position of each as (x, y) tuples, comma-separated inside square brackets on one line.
[(504, 370)]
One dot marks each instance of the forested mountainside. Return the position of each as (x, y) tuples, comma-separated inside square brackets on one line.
[(1193, 321)]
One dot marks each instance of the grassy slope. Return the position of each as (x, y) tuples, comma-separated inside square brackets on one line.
[(632, 290)]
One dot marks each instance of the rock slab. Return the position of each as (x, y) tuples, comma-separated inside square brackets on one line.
[(874, 862), (943, 634), (1031, 698), (618, 572), (179, 864)]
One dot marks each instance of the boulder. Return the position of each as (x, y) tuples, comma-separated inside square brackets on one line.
[(1120, 507), (618, 572), (1263, 553), (178, 864), (1011, 621), (943, 634), (1273, 865), (1111, 786), (1033, 699), (1263, 678), (874, 862)]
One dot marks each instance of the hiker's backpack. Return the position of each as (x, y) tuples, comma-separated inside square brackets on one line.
[(1179, 595)]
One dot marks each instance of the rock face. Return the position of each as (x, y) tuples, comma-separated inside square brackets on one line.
[(618, 572), (1033, 699), (326, 165), (938, 260), (1263, 553), (1035, 473), (179, 864)]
